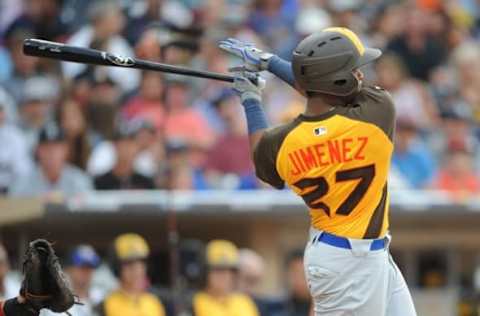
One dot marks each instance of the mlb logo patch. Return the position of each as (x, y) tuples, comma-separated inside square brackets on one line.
[(320, 130)]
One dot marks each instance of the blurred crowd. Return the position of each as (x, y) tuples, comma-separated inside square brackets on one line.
[(217, 279), (69, 128)]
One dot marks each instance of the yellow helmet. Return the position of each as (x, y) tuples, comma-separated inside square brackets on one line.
[(221, 254), (131, 246)]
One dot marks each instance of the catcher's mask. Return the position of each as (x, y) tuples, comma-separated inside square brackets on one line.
[(323, 62)]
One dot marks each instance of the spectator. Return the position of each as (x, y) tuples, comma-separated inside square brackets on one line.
[(123, 175), (132, 298), (139, 20), (53, 174), (412, 158), (42, 16), (456, 128), (230, 155), (9, 286), (73, 122), (180, 173), (23, 67), (103, 97), (413, 102), (148, 103), (274, 25), (9, 107), (251, 269), (251, 272), (183, 121), (103, 33), (79, 267), (298, 301), (466, 59), (457, 175), (151, 152), (219, 296), (15, 161), (420, 52), (36, 108)]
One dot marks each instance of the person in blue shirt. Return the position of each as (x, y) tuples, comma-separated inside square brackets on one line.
[(412, 157)]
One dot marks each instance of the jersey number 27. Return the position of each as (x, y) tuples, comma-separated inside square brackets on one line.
[(320, 189)]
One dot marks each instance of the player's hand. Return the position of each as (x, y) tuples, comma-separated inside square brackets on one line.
[(249, 86), (254, 59)]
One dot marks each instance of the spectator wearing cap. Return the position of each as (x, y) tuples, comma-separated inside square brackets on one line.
[(80, 266), (230, 155), (104, 33), (15, 161), (9, 286), (53, 174), (129, 264), (457, 175), (412, 157), (36, 108), (123, 175), (219, 296)]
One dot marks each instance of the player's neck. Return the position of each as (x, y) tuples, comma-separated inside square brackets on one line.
[(317, 106)]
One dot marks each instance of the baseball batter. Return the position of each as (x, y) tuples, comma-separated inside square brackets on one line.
[(336, 156)]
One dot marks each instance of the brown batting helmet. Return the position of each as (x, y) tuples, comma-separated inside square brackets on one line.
[(323, 62)]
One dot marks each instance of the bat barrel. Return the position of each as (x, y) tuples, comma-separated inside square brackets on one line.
[(46, 49)]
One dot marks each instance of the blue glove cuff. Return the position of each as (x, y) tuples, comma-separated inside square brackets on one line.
[(256, 119)]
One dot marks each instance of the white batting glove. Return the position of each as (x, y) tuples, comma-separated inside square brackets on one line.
[(254, 59), (249, 86)]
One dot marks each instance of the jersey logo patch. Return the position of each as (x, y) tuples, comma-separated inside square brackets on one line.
[(319, 131)]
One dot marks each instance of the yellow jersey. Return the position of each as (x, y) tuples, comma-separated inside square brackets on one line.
[(338, 162), (120, 303), (235, 304)]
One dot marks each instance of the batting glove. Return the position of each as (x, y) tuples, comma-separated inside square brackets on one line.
[(249, 86), (254, 59)]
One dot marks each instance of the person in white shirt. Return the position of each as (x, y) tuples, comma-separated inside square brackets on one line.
[(103, 33), (15, 160), (53, 176), (9, 286)]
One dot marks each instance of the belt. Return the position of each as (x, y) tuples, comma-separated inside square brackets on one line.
[(342, 242)]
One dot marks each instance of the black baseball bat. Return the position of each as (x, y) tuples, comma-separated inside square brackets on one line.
[(53, 50)]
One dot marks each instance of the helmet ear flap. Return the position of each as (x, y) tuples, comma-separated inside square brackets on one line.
[(343, 84)]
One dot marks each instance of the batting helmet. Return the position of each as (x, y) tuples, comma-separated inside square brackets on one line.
[(323, 62), (127, 248), (222, 254)]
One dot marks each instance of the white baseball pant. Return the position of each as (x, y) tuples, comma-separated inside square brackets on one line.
[(356, 281)]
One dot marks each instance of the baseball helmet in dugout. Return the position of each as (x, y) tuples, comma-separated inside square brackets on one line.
[(221, 254), (127, 248), (323, 62)]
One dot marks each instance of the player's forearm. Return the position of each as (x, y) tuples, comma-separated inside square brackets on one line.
[(282, 69), (256, 121)]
